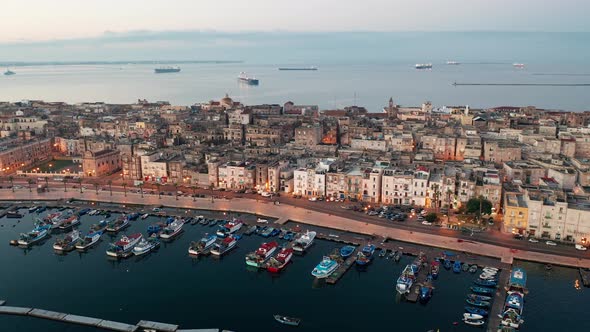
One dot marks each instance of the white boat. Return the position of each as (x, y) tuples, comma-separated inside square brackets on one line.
[(144, 216), (304, 241), (172, 230), (472, 316), (89, 240), (230, 228), (204, 244), (325, 268), (486, 276), (490, 271), (518, 65), (453, 63), (145, 246), (423, 66), (68, 242), (224, 245), (478, 322), (123, 247), (262, 221), (37, 234)]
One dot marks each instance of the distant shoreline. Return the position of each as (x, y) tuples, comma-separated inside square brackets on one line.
[(120, 62)]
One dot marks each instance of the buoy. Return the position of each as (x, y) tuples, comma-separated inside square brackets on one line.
[(455, 323)]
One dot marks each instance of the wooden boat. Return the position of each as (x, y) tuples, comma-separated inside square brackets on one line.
[(482, 290), (476, 303), (287, 320)]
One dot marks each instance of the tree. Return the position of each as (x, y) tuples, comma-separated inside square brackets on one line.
[(479, 206), (158, 185), (46, 182), (124, 189), (65, 186), (141, 189), (211, 188), (80, 183), (194, 193), (30, 182), (96, 187), (176, 190), (431, 217), (11, 179), (110, 182)]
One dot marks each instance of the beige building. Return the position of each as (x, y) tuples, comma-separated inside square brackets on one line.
[(397, 187), (236, 175), (100, 163), (18, 155), (308, 136)]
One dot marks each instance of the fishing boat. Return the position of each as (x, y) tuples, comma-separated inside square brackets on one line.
[(391, 254), (41, 209), (172, 230), (69, 223), (262, 254), (275, 232), (251, 230), (145, 246), (37, 234), (485, 282), (325, 268), (223, 245), (346, 251), (33, 209), (212, 222), (203, 245), (514, 300), (68, 242), (398, 255), (9, 72), (13, 214), (477, 311), (287, 320), (289, 236), (434, 269), (472, 269), (266, 231), (476, 303), (83, 211), (383, 253), (124, 246), (133, 216), (144, 216), (304, 241), (472, 316), (100, 227), (118, 224), (426, 291), (407, 278), (517, 281), (203, 221), (457, 267), (89, 240), (277, 263), (477, 322), (482, 290), (479, 297), (486, 276), (447, 264), (365, 256), (230, 228), (465, 267), (511, 318), (490, 271), (52, 217)]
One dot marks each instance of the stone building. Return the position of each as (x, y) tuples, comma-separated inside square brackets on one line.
[(100, 163)]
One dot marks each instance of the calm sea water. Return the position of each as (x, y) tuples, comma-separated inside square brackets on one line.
[(354, 68), (169, 286)]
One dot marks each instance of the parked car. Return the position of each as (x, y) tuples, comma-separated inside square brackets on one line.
[(372, 213), (312, 199), (518, 236), (266, 194), (550, 243), (427, 223), (581, 247), (533, 240)]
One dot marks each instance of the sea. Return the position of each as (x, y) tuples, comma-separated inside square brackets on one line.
[(364, 69), (171, 287)]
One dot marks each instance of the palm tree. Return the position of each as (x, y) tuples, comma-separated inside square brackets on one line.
[(124, 189), (194, 193), (141, 189), (158, 185), (30, 182), (11, 179), (176, 190), (449, 193), (65, 185), (80, 183), (96, 187), (110, 182), (211, 188), (46, 182)]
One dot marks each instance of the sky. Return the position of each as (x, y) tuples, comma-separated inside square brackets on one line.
[(42, 20)]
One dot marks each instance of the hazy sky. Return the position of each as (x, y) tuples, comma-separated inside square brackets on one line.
[(58, 19)]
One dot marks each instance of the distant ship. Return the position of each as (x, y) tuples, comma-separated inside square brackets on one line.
[(423, 66), (298, 68), (243, 77), (453, 63), (9, 72), (162, 70), (518, 65)]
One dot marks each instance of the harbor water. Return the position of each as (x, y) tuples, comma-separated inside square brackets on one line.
[(171, 287)]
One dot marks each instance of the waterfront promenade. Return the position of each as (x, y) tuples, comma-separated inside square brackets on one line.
[(285, 212)]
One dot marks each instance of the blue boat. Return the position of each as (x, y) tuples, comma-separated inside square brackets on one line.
[(457, 267), (83, 212), (41, 209), (447, 264), (346, 251), (365, 256), (477, 311), (482, 290), (477, 303), (289, 236), (267, 231), (133, 216), (485, 283), (479, 297), (517, 280), (426, 293), (155, 228), (275, 232)]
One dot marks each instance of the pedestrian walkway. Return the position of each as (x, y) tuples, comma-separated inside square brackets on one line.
[(286, 212)]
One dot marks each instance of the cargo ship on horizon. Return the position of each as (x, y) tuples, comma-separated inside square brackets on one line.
[(162, 70), (298, 68)]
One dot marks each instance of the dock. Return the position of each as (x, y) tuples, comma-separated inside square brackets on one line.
[(498, 301), (345, 265), (94, 322), (412, 296), (585, 276)]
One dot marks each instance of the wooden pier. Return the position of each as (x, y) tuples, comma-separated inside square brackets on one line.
[(93, 322), (345, 265), (498, 300)]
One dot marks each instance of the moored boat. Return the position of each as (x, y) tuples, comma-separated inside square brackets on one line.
[(482, 290), (118, 224), (89, 240), (69, 223), (172, 230), (398, 255), (144, 216), (124, 246), (472, 269), (477, 303), (406, 279), (472, 316), (203, 245), (145, 246), (262, 254), (457, 267), (325, 268), (383, 253), (223, 245), (100, 227), (287, 320), (365, 256), (485, 282), (37, 234), (426, 292), (230, 228), (434, 269), (251, 230), (479, 297), (478, 311), (304, 241), (68, 242), (346, 251), (478, 322), (277, 263), (447, 264)]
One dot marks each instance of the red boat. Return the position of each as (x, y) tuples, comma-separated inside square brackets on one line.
[(277, 263)]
